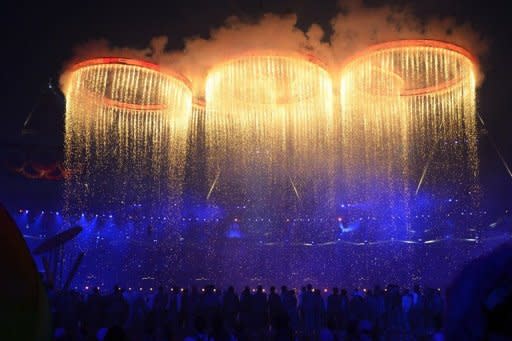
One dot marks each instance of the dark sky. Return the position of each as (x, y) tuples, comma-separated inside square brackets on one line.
[(39, 36)]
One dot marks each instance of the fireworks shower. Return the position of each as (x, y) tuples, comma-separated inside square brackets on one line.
[(279, 138), (126, 130)]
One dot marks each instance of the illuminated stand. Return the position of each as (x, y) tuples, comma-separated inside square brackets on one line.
[(126, 129)]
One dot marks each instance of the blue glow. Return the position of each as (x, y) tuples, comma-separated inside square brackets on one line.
[(353, 226), (234, 231)]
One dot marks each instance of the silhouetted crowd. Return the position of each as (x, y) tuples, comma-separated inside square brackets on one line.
[(210, 314)]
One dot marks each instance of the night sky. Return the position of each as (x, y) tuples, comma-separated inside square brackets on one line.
[(39, 37)]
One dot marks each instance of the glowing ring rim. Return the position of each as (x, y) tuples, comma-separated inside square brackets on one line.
[(137, 63), (292, 55), (392, 74), (198, 102), (306, 57), (427, 43)]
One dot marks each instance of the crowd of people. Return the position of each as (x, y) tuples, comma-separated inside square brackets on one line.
[(211, 314)]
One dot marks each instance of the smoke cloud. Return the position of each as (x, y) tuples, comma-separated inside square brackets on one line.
[(354, 28)]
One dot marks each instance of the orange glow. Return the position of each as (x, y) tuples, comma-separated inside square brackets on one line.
[(265, 107), (127, 84), (424, 47), (128, 120), (407, 107)]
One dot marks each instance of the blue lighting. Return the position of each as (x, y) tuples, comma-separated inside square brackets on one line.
[(234, 231)]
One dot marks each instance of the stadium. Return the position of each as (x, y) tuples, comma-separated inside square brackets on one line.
[(286, 169)]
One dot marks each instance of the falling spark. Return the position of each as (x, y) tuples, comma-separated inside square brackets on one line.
[(496, 149), (425, 169), (213, 185), (294, 188), (422, 176)]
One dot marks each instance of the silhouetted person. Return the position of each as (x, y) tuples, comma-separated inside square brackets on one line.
[(137, 315), (394, 314), (230, 307), (275, 306), (160, 302), (199, 332), (245, 312), (284, 291), (308, 312), (210, 305), (190, 306), (281, 330), (219, 331), (406, 308), (116, 309), (93, 315), (173, 309), (259, 317), (329, 332), (479, 301), (290, 307), (333, 311), (375, 307), (319, 311), (115, 333), (417, 312)]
